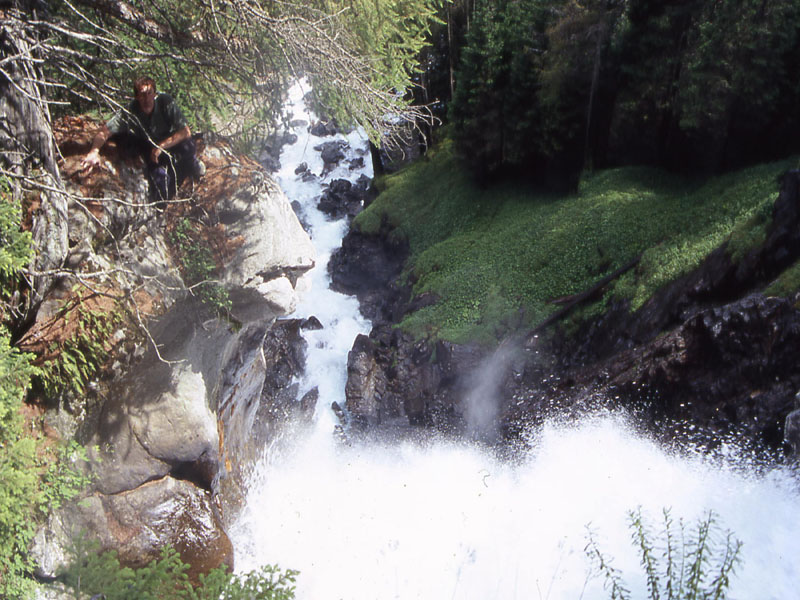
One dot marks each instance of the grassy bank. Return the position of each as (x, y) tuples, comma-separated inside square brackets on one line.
[(498, 257)]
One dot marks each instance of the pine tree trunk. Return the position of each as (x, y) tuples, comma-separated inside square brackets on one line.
[(450, 52), (27, 147)]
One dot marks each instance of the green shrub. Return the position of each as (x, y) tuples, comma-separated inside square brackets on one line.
[(35, 480), (15, 245), (199, 268), (92, 573), (678, 564), (18, 474)]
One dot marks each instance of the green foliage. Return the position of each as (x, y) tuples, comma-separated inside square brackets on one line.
[(229, 63), (15, 245), (679, 564), (389, 34), (91, 572), (544, 87), (488, 254), (35, 480), (18, 492), (735, 53), (199, 268), (20, 484), (64, 478), (78, 358), (787, 284), (495, 109)]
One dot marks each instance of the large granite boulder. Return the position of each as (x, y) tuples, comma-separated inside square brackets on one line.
[(138, 524)]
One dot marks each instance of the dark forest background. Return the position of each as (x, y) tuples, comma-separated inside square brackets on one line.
[(548, 88)]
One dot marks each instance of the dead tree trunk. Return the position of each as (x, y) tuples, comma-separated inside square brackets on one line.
[(27, 147)]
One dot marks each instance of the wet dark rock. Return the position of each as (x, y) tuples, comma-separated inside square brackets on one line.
[(332, 153), (405, 149), (356, 163), (366, 383), (308, 403), (305, 173), (791, 428), (343, 199), (367, 266), (394, 381), (312, 323), (339, 412), (285, 354), (323, 128), (725, 370)]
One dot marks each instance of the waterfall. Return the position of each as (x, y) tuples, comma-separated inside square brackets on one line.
[(438, 519)]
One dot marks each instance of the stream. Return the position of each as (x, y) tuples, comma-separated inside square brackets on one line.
[(440, 519)]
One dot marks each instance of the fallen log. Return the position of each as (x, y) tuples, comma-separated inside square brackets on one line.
[(570, 302)]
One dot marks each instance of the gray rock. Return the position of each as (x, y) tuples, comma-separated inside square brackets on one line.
[(138, 524), (53, 591)]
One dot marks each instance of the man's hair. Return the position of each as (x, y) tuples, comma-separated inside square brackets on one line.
[(142, 82)]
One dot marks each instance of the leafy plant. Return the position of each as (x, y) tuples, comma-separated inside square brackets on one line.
[(17, 472), (91, 572), (78, 357), (678, 564), (199, 268), (63, 478), (15, 245), (35, 480), (787, 284)]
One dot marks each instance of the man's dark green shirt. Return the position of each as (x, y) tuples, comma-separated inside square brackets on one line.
[(165, 120)]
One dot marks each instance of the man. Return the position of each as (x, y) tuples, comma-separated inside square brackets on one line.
[(154, 127)]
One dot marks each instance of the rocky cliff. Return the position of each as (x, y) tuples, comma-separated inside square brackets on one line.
[(169, 416), (708, 357)]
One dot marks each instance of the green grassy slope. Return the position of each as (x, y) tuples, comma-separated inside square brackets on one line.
[(494, 254)]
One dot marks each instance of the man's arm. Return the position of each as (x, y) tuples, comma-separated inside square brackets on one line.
[(92, 158), (168, 142)]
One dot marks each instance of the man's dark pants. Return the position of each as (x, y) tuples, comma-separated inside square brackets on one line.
[(173, 167)]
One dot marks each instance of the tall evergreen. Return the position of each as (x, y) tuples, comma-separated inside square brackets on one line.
[(548, 87), (495, 107)]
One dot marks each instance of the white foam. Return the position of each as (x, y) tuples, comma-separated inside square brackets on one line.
[(444, 520)]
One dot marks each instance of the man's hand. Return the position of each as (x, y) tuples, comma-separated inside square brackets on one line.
[(155, 153), (91, 160)]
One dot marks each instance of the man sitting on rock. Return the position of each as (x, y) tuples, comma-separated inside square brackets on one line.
[(154, 127)]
